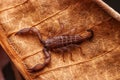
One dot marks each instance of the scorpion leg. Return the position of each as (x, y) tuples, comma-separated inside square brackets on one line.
[(61, 28), (81, 52), (62, 51), (63, 57), (31, 30), (71, 57), (50, 31), (39, 67), (72, 31), (66, 49), (80, 48), (71, 46)]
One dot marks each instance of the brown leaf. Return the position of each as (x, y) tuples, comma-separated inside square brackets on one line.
[(100, 57)]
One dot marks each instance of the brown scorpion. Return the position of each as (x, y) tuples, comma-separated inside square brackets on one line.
[(55, 43)]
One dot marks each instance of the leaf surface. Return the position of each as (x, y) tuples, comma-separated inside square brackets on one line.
[(100, 57)]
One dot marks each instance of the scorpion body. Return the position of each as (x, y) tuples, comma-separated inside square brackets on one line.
[(61, 41), (54, 43)]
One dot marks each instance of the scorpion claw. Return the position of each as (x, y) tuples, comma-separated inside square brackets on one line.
[(36, 68), (30, 70), (18, 33), (23, 31)]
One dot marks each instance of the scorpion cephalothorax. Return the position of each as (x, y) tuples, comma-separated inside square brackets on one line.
[(55, 43)]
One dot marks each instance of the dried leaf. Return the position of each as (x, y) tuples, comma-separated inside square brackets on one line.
[(100, 57)]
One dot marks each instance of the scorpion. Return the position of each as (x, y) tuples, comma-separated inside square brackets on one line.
[(53, 43)]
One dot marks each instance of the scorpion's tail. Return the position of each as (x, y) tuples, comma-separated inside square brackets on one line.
[(92, 34), (87, 35)]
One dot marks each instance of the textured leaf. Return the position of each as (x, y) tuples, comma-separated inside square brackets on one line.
[(100, 57)]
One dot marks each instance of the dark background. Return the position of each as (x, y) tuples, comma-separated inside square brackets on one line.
[(115, 4)]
